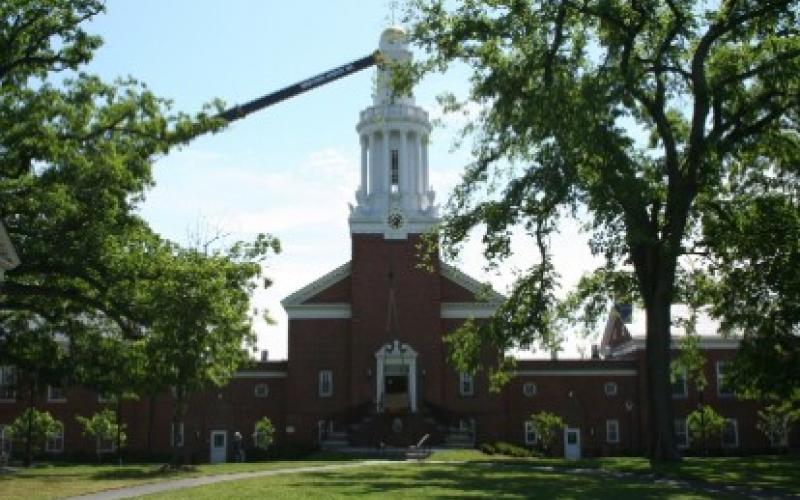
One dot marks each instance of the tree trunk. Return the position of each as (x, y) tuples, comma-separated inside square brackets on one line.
[(178, 457), (660, 426), (151, 403), (118, 411), (29, 430)]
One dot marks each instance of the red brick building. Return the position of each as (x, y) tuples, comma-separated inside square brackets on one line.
[(366, 362)]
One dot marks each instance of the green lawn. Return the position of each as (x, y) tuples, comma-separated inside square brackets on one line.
[(57, 481), (432, 480), (482, 476), (775, 472)]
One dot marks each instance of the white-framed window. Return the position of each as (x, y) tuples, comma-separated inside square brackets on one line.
[(466, 384), (55, 394), (105, 397), (681, 433), (55, 441), (724, 388), (325, 383), (612, 431), (530, 433), (610, 388), (8, 384), (6, 442), (680, 386), (730, 433), (176, 441), (262, 390), (106, 445), (529, 389)]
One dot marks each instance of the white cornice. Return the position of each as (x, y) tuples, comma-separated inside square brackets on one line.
[(471, 284), (259, 374), (572, 372), (316, 286), (319, 311), (464, 310), (372, 226), (706, 342)]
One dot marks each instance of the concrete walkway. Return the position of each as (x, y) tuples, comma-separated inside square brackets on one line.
[(177, 484)]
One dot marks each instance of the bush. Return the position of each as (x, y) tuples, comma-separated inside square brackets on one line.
[(487, 449), (511, 450)]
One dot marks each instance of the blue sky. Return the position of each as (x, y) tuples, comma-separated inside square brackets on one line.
[(289, 170)]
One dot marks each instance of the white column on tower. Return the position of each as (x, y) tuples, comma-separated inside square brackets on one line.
[(425, 186), (364, 188), (387, 162), (374, 156), (404, 166)]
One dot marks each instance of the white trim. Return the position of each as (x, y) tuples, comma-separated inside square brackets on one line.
[(172, 435), (685, 393), (51, 399), (265, 391), (466, 384), (464, 310), (681, 422), (470, 283), (358, 226), (319, 311), (323, 282), (255, 374), (706, 342), (58, 437), (322, 391), (563, 372), (529, 389), (612, 423), (721, 377), (5, 370), (529, 429), (735, 444)]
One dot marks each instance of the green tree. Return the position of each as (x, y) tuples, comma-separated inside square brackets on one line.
[(77, 159), (32, 429), (103, 427), (200, 324), (640, 119), (704, 424), (548, 427), (776, 421), (264, 433)]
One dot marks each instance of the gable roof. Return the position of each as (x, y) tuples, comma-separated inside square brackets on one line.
[(481, 290), (8, 256), (318, 285)]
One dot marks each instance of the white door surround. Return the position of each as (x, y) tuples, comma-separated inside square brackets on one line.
[(396, 358), (219, 447), (572, 443)]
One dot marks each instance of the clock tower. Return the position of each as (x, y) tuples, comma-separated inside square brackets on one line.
[(394, 197)]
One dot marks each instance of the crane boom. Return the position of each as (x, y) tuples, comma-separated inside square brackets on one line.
[(242, 110)]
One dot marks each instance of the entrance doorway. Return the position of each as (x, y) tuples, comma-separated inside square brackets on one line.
[(396, 380), (219, 447), (572, 443)]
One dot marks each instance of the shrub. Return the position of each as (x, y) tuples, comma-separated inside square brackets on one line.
[(487, 449), (547, 427), (264, 434), (705, 424), (511, 450)]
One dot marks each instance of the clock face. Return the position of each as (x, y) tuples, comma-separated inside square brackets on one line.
[(395, 220)]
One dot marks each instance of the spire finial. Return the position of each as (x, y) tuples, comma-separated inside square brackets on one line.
[(393, 8)]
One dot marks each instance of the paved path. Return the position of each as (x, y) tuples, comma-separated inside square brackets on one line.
[(148, 488), (683, 484)]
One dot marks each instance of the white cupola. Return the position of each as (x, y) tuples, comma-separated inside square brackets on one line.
[(394, 197)]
